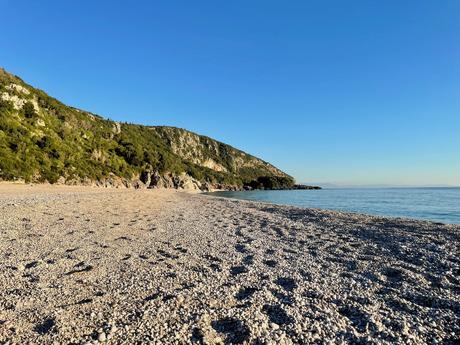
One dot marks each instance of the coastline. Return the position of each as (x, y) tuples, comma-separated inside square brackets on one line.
[(121, 265), (184, 183)]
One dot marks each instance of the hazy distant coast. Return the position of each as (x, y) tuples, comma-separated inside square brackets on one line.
[(86, 265)]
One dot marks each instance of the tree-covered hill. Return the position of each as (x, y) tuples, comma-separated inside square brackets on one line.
[(43, 140)]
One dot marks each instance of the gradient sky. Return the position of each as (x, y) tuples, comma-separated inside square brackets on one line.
[(352, 92)]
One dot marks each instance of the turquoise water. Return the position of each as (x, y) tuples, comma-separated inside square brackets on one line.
[(435, 204)]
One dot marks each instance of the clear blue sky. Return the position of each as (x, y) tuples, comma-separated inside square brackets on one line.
[(354, 92)]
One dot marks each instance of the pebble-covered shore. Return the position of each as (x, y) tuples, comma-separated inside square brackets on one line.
[(87, 265)]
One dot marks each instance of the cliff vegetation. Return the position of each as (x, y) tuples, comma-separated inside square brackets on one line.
[(44, 140)]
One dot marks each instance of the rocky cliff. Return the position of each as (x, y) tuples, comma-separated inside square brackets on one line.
[(43, 140)]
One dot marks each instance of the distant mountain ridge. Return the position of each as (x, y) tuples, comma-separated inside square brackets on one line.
[(43, 140)]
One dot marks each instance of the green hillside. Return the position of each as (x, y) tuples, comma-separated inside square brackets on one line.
[(43, 140)]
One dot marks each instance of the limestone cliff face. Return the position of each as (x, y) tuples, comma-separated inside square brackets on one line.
[(43, 140), (192, 147), (210, 153)]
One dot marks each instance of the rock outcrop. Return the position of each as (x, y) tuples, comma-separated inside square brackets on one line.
[(168, 180)]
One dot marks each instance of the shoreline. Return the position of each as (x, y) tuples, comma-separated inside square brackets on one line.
[(338, 212), (43, 187), (381, 214), (58, 187), (88, 265)]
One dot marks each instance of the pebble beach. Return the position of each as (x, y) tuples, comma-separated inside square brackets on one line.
[(83, 265)]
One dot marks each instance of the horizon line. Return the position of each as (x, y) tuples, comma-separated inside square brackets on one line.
[(350, 185)]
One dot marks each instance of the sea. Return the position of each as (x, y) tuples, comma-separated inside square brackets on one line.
[(433, 204)]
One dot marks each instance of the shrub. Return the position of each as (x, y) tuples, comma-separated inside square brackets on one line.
[(5, 106), (28, 110)]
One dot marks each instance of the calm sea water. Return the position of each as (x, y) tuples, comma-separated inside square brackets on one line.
[(435, 204)]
